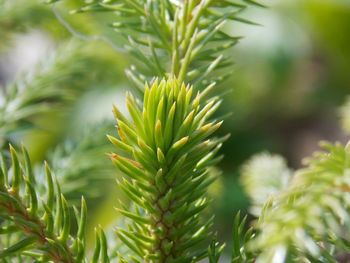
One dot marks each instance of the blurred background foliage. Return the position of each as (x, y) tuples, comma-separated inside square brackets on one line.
[(287, 91)]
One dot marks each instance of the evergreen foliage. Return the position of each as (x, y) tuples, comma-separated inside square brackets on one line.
[(167, 154), (307, 221), (175, 38), (34, 228), (166, 148)]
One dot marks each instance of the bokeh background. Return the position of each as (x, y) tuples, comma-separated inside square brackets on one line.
[(291, 77)]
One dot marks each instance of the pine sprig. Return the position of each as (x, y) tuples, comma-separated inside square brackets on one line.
[(185, 39), (42, 227), (305, 218), (20, 206), (167, 154)]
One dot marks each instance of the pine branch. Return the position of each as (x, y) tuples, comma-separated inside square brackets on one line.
[(263, 177), (167, 154), (311, 216), (185, 39), (19, 205), (44, 227)]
